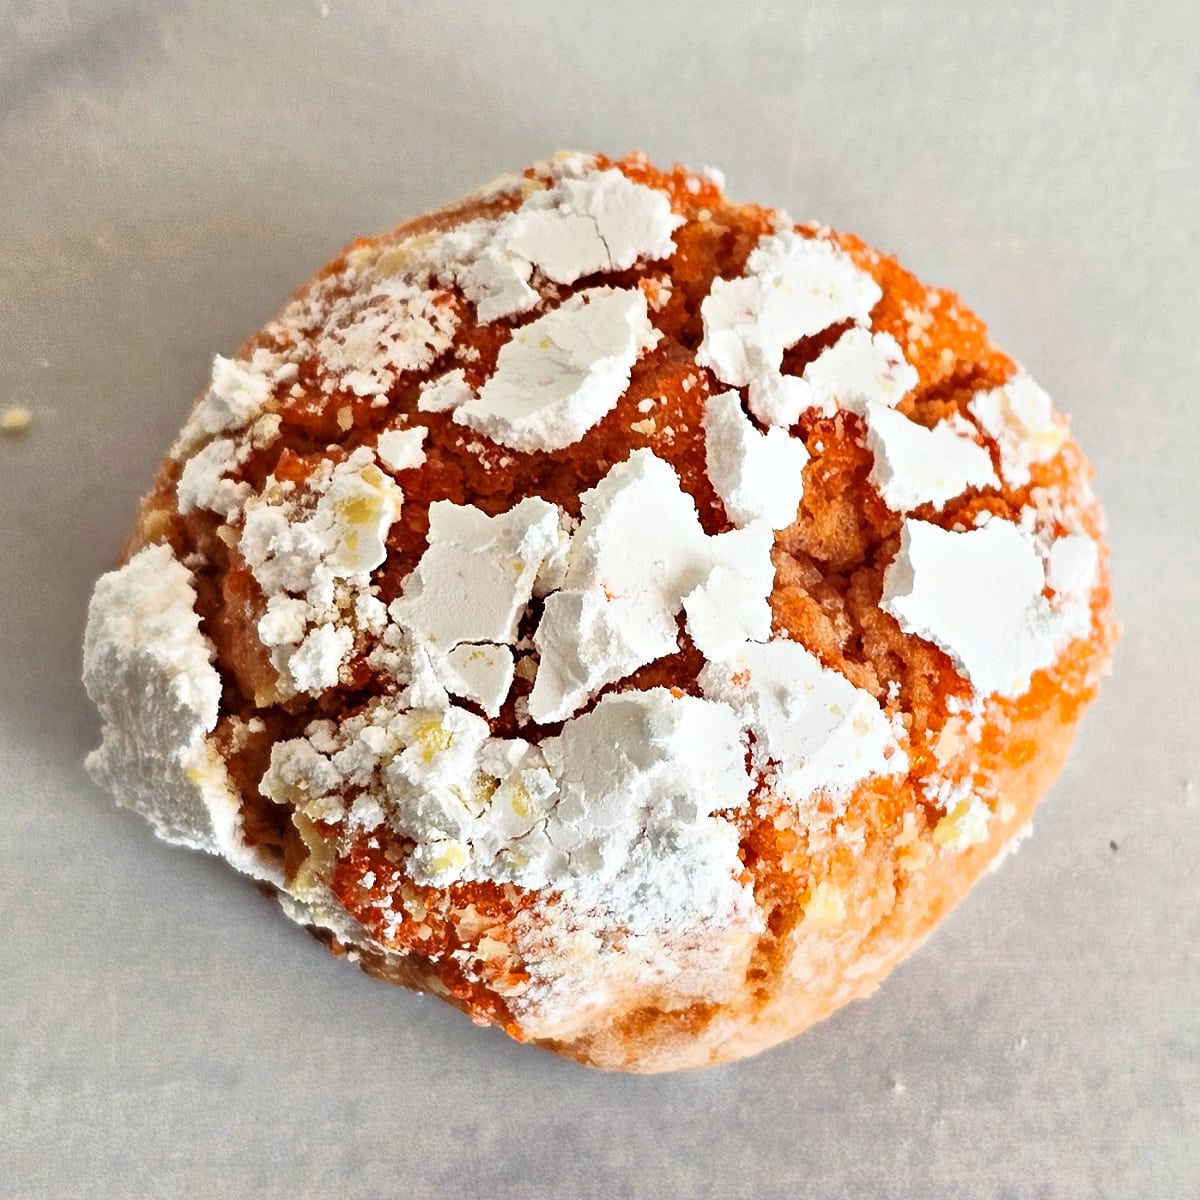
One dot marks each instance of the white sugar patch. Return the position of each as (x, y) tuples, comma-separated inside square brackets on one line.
[(561, 374)]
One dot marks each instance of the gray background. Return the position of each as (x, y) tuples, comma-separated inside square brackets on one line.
[(168, 172)]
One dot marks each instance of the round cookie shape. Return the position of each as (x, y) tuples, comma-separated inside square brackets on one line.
[(632, 616)]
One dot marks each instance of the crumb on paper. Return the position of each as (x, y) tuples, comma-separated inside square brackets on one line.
[(15, 419), (898, 1088)]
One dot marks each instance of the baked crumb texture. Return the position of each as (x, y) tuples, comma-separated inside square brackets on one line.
[(632, 616), (15, 419)]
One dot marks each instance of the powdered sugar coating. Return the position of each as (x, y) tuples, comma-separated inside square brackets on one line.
[(478, 574), (1019, 418), (398, 327), (627, 579), (815, 731), (915, 466), (759, 476), (562, 373), (1071, 564), (312, 564), (588, 221), (481, 672), (725, 610), (861, 368), (445, 393), (794, 286), (401, 449), (978, 595), (616, 811), (602, 222), (205, 479), (640, 779), (236, 395), (148, 669)]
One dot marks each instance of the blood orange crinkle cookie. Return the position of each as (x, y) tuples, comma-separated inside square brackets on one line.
[(631, 616)]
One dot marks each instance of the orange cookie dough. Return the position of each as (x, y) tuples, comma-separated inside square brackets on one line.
[(631, 616)]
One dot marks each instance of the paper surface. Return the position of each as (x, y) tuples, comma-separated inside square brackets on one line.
[(170, 172)]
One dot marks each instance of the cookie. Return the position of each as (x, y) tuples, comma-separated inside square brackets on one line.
[(631, 616)]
